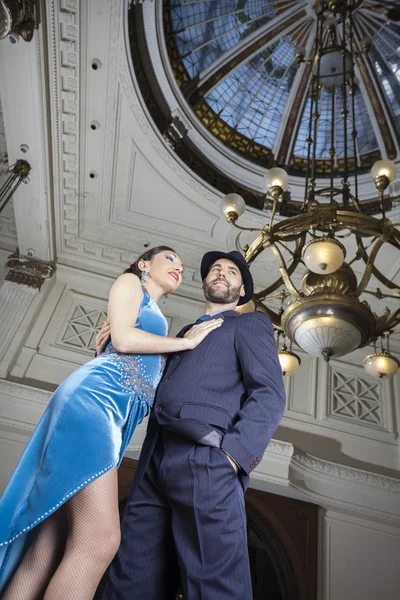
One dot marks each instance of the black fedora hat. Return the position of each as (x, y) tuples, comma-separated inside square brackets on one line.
[(211, 257)]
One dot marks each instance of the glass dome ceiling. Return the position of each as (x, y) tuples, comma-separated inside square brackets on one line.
[(235, 63)]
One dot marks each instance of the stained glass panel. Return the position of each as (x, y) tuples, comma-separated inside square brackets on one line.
[(245, 102)]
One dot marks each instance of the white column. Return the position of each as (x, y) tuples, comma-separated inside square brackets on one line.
[(23, 92)]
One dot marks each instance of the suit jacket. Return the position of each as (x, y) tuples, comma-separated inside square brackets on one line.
[(233, 381)]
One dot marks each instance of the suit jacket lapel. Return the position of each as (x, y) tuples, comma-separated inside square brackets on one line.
[(174, 358)]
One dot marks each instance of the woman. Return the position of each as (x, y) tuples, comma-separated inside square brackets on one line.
[(59, 513)]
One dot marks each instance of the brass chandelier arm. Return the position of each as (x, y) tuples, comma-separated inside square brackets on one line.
[(264, 294), (266, 239), (284, 272), (258, 246), (366, 226), (369, 266), (389, 284), (255, 249), (375, 271), (378, 294), (296, 226), (293, 254), (357, 223), (385, 324), (232, 221), (275, 317), (369, 243), (290, 269)]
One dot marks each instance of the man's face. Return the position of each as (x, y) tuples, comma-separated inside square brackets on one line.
[(223, 284)]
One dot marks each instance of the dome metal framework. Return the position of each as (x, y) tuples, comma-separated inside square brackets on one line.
[(236, 63)]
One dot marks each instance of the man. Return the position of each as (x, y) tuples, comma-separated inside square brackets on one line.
[(215, 412)]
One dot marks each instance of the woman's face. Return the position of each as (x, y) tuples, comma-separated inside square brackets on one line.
[(165, 270)]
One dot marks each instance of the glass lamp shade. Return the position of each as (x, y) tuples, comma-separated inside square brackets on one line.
[(324, 256), (233, 203), (384, 167), (317, 335), (382, 365), (331, 68), (276, 176), (328, 325), (289, 361)]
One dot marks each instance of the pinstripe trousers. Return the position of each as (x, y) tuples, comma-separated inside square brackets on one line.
[(186, 521)]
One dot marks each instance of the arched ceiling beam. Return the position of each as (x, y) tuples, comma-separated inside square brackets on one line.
[(296, 101), (208, 79), (388, 10), (376, 100)]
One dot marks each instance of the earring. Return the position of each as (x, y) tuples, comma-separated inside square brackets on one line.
[(165, 298), (144, 276)]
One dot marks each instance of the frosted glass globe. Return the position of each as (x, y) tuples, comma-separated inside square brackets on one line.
[(233, 203), (384, 167), (383, 366), (276, 176), (324, 256), (289, 361), (331, 333)]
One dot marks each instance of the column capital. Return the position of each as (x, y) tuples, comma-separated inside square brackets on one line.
[(28, 271)]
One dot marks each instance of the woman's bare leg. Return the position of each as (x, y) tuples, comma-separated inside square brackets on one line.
[(93, 539), (41, 561)]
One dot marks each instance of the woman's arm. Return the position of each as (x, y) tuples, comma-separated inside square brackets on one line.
[(123, 309)]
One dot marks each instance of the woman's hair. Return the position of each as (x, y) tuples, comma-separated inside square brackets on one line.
[(148, 255)]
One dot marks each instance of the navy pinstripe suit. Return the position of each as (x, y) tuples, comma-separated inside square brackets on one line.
[(185, 514)]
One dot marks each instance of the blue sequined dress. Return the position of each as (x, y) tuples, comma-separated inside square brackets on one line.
[(82, 434)]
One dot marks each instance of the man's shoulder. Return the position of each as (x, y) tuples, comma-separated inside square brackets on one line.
[(252, 321)]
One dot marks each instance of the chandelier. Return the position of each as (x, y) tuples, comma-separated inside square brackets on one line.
[(324, 315)]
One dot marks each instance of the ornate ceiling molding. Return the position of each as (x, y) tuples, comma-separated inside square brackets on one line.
[(27, 271), (344, 473), (24, 392), (281, 448)]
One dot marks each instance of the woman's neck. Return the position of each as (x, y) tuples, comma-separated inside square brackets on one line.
[(153, 290)]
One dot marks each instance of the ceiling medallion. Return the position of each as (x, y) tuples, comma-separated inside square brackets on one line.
[(326, 317)]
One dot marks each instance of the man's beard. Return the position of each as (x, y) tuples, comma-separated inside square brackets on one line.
[(221, 294)]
